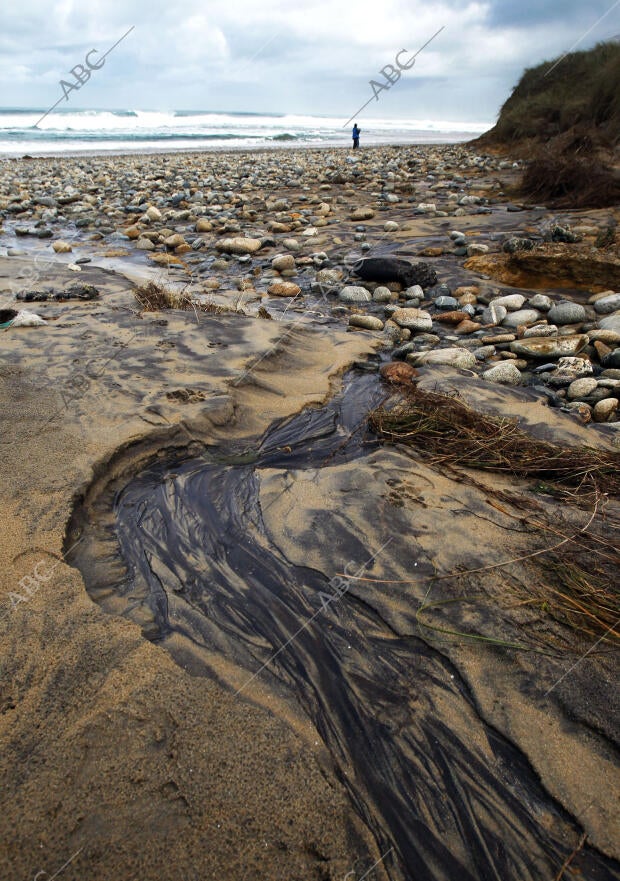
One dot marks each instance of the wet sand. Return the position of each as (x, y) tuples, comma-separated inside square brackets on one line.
[(150, 770)]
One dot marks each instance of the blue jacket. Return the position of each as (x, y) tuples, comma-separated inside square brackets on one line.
[(356, 132)]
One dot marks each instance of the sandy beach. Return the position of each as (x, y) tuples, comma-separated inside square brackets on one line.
[(177, 699)]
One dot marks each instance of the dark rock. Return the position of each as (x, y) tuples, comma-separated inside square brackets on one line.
[(515, 243), (82, 292), (563, 234), (612, 360), (386, 269)]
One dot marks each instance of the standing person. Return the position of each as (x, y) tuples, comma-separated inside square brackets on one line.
[(356, 136)]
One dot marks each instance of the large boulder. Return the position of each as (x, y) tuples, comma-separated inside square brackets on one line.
[(386, 269)]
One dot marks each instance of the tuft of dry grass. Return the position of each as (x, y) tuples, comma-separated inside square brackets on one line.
[(444, 429), (568, 180), (573, 579), (154, 297)]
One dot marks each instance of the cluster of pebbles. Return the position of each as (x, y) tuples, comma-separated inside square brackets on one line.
[(298, 224), (571, 352)]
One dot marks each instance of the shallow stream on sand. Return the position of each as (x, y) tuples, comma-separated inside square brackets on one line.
[(184, 548)]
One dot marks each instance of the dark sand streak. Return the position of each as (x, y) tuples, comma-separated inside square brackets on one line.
[(188, 556)]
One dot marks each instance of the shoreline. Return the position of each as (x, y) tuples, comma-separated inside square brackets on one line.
[(225, 148)]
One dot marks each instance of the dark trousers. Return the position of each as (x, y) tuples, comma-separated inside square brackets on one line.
[(356, 143)]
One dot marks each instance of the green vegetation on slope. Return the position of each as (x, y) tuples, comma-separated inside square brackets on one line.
[(580, 94)]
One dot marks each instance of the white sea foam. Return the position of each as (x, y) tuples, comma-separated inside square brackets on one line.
[(65, 130)]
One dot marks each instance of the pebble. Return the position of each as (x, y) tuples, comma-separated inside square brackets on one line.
[(451, 357), (510, 302), (540, 330), (571, 366), (362, 214), (549, 347), (367, 322), (61, 247), (283, 262), (580, 388), (505, 373), (354, 294), (604, 410), (521, 316), (541, 302), (610, 322), (413, 319), (283, 289), (382, 294), (446, 302), (494, 313), (239, 245), (607, 305), (566, 312)]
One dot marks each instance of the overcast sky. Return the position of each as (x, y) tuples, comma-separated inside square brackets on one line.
[(306, 57)]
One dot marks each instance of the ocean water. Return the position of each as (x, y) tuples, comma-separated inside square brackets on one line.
[(67, 131)]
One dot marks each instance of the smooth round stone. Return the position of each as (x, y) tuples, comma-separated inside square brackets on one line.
[(484, 352), (329, 276), (581, 388), (283, 289), (607, 305), (362, 214), (477, 248), (390, 226), (541, 302), (452, 357), (610, 322), (61, 247), (511, 302), (611, 337), (505, 373), (521, 316), (239, 245), (415, 292), (413, 319), (354, 294), (446, 302), (566, 313), (283, 262), (366, 322), (382, 294), (605, 409)]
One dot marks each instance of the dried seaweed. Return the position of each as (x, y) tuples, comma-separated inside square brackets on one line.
[(445, 430)]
